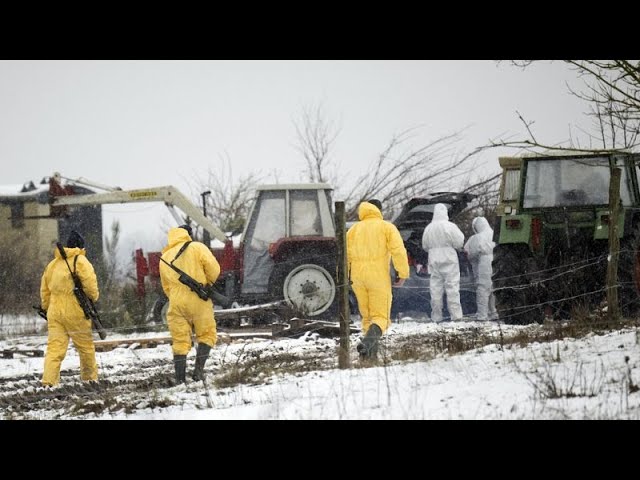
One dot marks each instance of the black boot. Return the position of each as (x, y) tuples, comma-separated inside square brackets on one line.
[(180, 364), (202, 353), (368, 349)]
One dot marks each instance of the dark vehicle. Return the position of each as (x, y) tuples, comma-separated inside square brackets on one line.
[(413, 298)]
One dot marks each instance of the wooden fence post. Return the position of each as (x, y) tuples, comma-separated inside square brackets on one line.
[(614, 246), (342, 288)]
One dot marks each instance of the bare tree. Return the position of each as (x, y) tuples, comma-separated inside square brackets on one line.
[(487, 190), (110, 261), (611, 88), (110, 281), (20, 279), (230, 199), (403, 171), (405, 168), (315, 137)]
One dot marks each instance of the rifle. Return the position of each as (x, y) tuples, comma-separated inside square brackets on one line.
[(205, 292), (87, 305)]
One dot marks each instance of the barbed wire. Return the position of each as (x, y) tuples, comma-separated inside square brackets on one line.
[(414, 290)]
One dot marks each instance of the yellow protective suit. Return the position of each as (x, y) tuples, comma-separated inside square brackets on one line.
[(371, 244), (65, 317), (187, 311)]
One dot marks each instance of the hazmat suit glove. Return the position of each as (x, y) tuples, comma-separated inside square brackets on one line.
[(422, 270), (41, 311)]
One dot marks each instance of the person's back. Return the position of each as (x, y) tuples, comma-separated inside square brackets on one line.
[(65, 317), (187, 311), (480, 245), (196, 260), (479, 249), (371, 244), (441, 239)]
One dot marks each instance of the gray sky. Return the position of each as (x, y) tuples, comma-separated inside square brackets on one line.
[(137, 124)]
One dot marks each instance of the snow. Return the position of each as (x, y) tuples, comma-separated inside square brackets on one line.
[(15, 190), (593, 377)]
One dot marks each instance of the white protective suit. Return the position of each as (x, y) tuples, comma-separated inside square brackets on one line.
[(479, 250), (441, 239)]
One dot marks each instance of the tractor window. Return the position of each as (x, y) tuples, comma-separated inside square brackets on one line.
[(570, 182), (328, 194), (305, 213), (511, 181), (268, 224)]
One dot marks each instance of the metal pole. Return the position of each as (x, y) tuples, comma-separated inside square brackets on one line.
[(206, 238), (342, 289)]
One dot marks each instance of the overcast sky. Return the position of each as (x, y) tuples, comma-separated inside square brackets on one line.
[(137, 124)]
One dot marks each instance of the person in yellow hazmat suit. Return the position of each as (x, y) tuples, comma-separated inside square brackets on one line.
[(371, 244), (187, 311), (65, 317)]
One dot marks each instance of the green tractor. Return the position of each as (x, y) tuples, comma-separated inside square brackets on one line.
[(552, 231)]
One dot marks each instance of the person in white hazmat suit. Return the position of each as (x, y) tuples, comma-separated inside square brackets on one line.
[(479, 249), (441, 239)]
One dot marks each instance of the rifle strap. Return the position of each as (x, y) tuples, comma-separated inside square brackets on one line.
[(63, 255), (75, 262), (182, 249)]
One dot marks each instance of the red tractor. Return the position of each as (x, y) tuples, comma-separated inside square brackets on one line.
[(287, 251)]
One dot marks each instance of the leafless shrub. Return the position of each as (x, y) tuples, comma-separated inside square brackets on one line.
[(254, 369), (19, 275), (558, 381)]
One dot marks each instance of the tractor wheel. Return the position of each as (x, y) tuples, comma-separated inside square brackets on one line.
[(629, 274), (516, 298), (308, 286)]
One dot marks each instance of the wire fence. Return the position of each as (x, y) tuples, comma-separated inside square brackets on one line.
[(420, 292)]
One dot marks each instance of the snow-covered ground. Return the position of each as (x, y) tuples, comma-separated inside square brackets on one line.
[(464, 370)]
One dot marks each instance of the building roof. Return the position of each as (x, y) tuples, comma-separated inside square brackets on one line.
[(26, 191), (30, 191)]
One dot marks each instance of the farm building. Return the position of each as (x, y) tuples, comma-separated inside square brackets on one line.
[(25, 213)]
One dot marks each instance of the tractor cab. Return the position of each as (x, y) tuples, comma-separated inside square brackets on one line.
[(288, 247)]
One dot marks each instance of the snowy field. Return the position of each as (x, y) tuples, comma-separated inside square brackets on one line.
[(464, 370)]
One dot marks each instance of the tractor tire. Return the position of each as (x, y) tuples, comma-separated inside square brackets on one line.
[(516, 299), (308, 285), (629, 274)]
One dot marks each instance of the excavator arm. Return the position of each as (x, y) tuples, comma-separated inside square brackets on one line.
[(171, 197)]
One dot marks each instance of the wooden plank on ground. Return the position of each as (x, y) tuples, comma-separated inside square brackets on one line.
[(241, 312), (9, 353), (108, 345), (298, 326), (152, 342)]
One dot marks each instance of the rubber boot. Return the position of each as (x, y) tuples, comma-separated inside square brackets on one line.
[(368, 349), (202, 353), (180, 364)]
